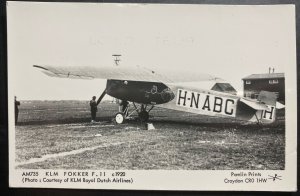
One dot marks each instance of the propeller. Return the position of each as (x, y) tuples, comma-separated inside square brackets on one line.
[(101, 97)]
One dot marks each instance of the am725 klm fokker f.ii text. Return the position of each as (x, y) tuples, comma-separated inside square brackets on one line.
[(183, 91)]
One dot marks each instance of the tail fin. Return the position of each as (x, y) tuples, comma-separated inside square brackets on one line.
[(268, 98)]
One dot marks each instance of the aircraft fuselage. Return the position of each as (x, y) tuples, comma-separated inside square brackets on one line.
[(139, 92)]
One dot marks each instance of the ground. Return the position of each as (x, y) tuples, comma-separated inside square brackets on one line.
[(58, 134)]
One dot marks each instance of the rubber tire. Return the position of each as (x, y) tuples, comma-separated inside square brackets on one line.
[(144, 116), (119, 118)]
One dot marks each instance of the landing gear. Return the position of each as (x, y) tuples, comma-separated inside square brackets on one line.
[(119, 118), (144, 116), (143, 113), (126, 113)]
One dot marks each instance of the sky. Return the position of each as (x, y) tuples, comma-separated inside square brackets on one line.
[(230, 42)]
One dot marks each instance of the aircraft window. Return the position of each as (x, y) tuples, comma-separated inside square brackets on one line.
[(154, 89)]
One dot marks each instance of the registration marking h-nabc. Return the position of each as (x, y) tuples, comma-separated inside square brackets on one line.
[(204, 103)]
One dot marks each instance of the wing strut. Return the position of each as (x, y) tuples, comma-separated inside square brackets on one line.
[(101, 97)]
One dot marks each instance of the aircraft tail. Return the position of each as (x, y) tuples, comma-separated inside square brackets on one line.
[(264, 107), (269, 99)]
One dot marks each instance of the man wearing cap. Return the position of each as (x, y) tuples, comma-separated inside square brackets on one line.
[(94, 109)]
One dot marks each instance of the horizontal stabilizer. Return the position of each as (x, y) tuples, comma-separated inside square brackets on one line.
[(279, 105), (254, 104)]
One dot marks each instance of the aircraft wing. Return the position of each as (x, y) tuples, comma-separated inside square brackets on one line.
[(136, 73)]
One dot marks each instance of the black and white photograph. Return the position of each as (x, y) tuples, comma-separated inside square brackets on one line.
[(152, 96)]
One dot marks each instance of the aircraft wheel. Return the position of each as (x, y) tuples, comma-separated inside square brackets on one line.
[(119, 117), (144, 116)]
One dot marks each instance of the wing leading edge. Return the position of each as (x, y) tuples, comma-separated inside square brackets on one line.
[(136, 73)]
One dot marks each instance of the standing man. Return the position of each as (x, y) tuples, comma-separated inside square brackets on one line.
[(17, 103), (124, 104), (94, 109)]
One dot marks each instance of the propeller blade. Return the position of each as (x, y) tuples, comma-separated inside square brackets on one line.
[(101, 97)]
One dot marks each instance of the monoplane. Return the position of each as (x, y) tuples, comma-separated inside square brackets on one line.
[(187, 91)]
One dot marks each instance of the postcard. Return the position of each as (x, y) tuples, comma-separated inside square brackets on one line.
[(152, 96)]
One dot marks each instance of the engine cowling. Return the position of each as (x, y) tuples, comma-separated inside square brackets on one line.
[(167, 95)]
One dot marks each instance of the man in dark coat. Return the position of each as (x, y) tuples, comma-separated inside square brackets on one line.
[(94, 109), (124, 104), (17, 103)]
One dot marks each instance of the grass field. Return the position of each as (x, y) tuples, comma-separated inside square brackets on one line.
[(57, 134)]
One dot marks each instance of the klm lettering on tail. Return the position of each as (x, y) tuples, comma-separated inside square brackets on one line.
[(206, 104)]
